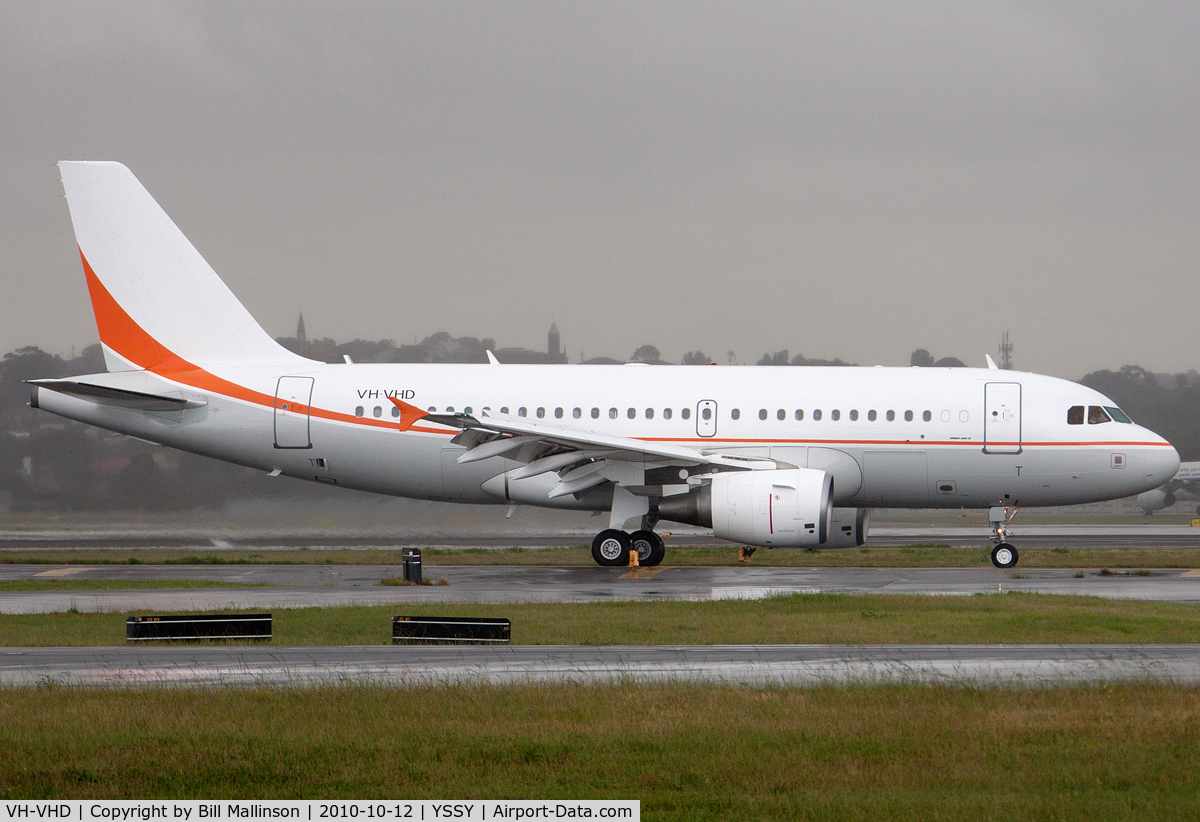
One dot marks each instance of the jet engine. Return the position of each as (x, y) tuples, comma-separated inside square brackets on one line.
[(1155, 500), (780, 508)]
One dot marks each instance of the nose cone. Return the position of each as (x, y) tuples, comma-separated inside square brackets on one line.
[(1160, 460)]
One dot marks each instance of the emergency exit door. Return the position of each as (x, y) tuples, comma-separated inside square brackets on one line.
[(1002, 418), (292, 396), (706, 418)]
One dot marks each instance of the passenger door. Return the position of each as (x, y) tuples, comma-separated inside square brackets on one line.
[(292, 396)]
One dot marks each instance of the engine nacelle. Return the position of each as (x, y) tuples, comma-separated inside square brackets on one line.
[(1155, 500), (848, 528), (781, 508)]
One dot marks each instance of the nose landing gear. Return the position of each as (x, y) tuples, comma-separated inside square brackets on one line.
[(1004, 555)]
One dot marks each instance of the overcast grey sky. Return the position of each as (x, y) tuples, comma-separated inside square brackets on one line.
[(848, 179)]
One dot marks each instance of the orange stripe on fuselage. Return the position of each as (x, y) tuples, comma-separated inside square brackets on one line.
[(123, 335)]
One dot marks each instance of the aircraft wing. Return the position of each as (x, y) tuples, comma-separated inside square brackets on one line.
[(582, 458)]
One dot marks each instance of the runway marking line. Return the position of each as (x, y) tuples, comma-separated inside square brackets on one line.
[(61, 572), (643, 573), (1192, 573)]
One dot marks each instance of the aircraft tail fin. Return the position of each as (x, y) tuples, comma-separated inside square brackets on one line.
[(157, 302)]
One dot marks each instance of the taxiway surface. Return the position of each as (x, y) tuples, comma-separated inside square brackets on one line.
[(749, 665), (324, 585)]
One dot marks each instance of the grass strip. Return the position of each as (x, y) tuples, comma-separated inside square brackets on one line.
[(687, 752), (800, 618), (923, 555)]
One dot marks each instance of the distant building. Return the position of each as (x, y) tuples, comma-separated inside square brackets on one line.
[(301, 335), (523, 356)]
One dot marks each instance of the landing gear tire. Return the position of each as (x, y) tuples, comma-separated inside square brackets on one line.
[(649, 547), (1004, 555), (611, 548)]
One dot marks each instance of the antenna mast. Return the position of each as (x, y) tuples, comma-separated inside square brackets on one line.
[(1005, 353)]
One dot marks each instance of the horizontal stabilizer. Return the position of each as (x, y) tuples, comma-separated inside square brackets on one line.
[(119, 397)]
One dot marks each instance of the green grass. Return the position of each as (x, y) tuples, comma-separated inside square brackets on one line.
[(801, 618), (68, 584), (687, 752), (922, 555)]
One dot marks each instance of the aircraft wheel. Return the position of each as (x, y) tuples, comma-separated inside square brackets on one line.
[(1004, 555), (611, 548), (649, 547)]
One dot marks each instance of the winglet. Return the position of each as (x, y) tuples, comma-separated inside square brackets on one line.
[(409, 414), (492, 358), (991, 363)]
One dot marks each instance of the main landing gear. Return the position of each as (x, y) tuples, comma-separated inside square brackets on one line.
[(1004, 555), (611, 548)]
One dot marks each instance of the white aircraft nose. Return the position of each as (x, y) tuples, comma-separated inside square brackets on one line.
[(1161, 463)]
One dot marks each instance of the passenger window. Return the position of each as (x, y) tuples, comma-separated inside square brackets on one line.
[(781, 414), (395, 410), (666, 413), (908, 416), (612, 413), (504, 409), (577, 413), (799, 414), (835, 415), (762, 413), (541, 412), (631, 413), (378, 412), (558, 412), (521, 411), (736, 413), (871, 415), (853, 416), (595, 413), (449, 409), (649, 413), (432, 410), (891, 416), (927, 416), (1097, 415), (1075, 415), (686, 413), (1117, 414), (817, 414), (706, 413), (468, 410), (358, 412)]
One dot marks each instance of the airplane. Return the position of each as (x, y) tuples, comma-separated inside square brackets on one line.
[(774, 457), (1184, 485)]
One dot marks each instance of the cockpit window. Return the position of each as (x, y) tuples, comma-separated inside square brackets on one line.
[(1097, 415), (1117, 414), (1075, 415)]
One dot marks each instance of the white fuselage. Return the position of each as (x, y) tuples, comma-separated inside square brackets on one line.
[(894, 437)]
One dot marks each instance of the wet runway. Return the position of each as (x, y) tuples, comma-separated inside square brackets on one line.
[(743, 665), (324, 585)]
